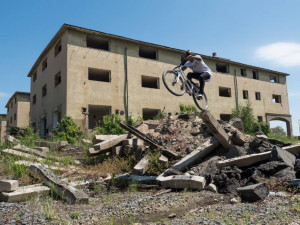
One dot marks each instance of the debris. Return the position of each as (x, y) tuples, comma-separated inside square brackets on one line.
[(124, 179), (24, 193), (211, 187), (294, 149), (246, 160), (63, 189), (100, 138), (161, 192), (142, 165), (53, 146), (253, 193), (8, 185), (197, 154), (233, 201), (237, 138), (172, 215), (86, 142), (237, 123), (279, 154), (181, 182), (216, 129), (295, 182), (133, 142), (163, 160), (11, 139)]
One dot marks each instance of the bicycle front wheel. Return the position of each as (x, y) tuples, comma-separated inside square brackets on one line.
[(173, 82), (201, 102)]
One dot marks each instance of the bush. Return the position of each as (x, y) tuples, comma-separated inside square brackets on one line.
[(251, 125), (67, 130), (27, 137), (132, 121), (110, 125), (189, 109)]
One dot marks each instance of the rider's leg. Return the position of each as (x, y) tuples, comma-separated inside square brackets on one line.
[(194, 76), (203, 76)]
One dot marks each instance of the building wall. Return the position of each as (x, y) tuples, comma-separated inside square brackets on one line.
[(76, 92), (2, 128), (55, 100)]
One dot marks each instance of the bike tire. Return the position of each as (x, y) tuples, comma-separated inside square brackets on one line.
[(201, 102), (177, 88)]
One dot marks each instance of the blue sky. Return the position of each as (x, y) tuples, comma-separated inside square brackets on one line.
[(263, 33)]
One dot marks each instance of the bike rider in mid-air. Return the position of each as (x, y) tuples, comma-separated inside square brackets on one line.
[(200, 70)]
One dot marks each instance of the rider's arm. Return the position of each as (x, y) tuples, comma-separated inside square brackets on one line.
[(183, 68), (197, 57)]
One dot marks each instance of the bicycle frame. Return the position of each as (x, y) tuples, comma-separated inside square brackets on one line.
[(188, 84)]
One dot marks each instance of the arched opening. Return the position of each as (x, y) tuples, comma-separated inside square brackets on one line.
[(281, 121), (278, 128)]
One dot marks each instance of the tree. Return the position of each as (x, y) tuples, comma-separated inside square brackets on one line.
[(278, 131)]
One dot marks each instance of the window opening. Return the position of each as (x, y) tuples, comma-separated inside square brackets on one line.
[(243, 72), (276, 98), (257, 96), (222, 68), (44, 64), (149, 114), (255, 75), (57, 48), (97, 42), (224, 92), (245, 94), (150, 82), (147, 53), (57, 79), (44, 90), (99, 75)]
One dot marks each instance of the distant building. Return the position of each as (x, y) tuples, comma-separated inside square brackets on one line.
[(88, 74), (2, 127), (18, 107)]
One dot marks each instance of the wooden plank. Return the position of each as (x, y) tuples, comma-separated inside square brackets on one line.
[(63, 189)]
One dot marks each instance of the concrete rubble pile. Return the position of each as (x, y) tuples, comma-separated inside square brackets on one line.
[(211, 154)]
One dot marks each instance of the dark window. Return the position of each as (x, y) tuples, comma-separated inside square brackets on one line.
[(224, 92), (147, 53), (96, 114), (243, 72), (34, 76), (222, 68), (11, 105), (259, 118), (97, 42), (274, 79), (8, 108), (245, 94), (257, 96), (15, 99), (150, 82), (10, 119), (34, 99), (44, 90), (255, 75), (44, 64), (276, 98), (83, 110), (149, 114), (57, 48), (15, 116), (57, 79), (225, 117), (99, 75)]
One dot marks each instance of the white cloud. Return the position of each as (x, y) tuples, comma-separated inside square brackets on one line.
[(281, 53), (4, 95)]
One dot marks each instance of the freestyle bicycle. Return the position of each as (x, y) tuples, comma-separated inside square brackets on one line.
[(177, 83)]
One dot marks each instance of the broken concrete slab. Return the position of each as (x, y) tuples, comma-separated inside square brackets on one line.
[(181, 182), (253, 193), (118, 150), (42, 149), (211, 187), (237, 123), (163, 160), (294, 149), (11, 139), (22, 154), (128, 150), (63, 189), (29, 150), (262, 137), (86, 142), (216, 129), (238, 138), (142, 166), (8, 185), (205, 149), (24, 193), (100, 138), (278, 154), (54, 146), (105, 146), (244, 161)]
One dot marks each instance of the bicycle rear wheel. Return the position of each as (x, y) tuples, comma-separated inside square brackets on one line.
[(201, 102), (173, 83)]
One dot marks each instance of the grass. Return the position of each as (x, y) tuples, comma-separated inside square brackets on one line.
[(293, 140)]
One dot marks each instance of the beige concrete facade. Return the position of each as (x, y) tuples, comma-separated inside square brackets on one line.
[(86, 100), (18, 107), (2, 127)]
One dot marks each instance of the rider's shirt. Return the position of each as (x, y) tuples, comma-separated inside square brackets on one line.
[(198, 66)]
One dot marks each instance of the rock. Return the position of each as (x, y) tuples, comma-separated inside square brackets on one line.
[(278, 143), (172, 215), (297, 168), (170, 172), (253, 193), (270, 168), (8, 185), (238, 138), (237, 123), (235, 151), (186, 116), (285, 174), (294, 149), (233, 201), (211, 187), (86, 142), (163, 160), (11, 139), (262, 137), (255, 143), (279, 154), (142, 166)]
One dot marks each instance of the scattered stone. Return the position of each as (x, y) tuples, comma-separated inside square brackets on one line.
[(233, 201), (86, 142), (237, 138), (8, 185), (270, 168), (172, 215), (279, 154), (163, 160), (237, 123), (211, 187), (286, 174), (253, 193)]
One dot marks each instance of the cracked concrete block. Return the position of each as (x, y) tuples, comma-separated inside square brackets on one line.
[(253, 193), (278, 154), (142, 166), (294, 149), (133, 142), (182, 181), (216, 129), (100, 138), (8, 185), (163, 159)]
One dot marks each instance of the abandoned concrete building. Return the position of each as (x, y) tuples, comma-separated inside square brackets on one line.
[(87, 74), (2, 127), (18, 107)]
